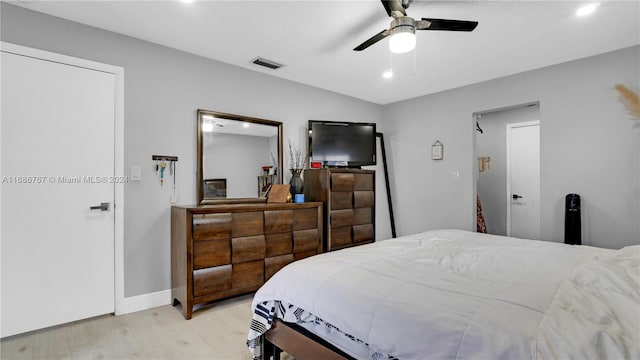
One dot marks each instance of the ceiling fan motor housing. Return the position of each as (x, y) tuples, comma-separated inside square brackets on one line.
[(402, 24)]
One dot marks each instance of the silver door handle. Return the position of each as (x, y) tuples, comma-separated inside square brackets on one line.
[(101, 207)]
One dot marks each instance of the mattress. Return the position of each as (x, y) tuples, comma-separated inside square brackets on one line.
[(453, 294)]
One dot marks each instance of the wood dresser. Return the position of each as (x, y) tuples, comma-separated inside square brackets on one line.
[(218, 251), (349, 205)]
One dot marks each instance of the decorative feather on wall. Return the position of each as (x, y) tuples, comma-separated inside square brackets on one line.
[(630, 99)]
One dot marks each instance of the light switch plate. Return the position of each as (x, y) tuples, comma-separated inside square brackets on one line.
[(455, 176), (136, 173)]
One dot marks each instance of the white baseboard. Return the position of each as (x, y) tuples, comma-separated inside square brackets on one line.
[(146, 301)]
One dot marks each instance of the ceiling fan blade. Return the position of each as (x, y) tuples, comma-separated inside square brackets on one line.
[(374, 39), (446, 25), (392, 6)]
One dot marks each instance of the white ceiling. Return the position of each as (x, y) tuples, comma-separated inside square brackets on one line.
[(314, 39)]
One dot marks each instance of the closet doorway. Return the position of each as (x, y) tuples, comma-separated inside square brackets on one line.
[(507, 148)]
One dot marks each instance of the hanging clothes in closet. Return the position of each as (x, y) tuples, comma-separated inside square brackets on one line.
[(481, 227)]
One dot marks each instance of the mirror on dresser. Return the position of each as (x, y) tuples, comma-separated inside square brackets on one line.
[(238, 157)]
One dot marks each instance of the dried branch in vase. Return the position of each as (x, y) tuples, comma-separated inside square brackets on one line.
[(297, 157)]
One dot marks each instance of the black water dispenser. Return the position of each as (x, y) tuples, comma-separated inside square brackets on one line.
[(572, 224)]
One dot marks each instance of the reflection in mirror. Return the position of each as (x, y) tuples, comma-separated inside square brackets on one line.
[(238, 157)]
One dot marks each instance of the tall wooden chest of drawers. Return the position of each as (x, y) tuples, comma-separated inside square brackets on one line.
[(219, 251), (349, 197)]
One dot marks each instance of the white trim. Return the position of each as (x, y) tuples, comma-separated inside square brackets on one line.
[(146, 301), (508, 134), (119, 169)]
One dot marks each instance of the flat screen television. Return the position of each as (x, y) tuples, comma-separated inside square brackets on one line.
[(342, 144)]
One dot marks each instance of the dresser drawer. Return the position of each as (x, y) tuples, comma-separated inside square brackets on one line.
[(247, 224), (211, 280), (341, 236), (362, 216), (304, 254), (247, 274), (211, 226), (363, 199), (278, 244), (273, 264), (341, 200), (278, 221), (363, 233), (341, 218), (363, 182), (211, 253), (304, 240), (305, 219), (247, 249), (342, 182)]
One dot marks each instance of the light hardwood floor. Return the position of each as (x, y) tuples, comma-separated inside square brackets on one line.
[(216, 331)]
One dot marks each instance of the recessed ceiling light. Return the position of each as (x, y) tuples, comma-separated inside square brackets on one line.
[(587, 9), (187, 1), (246, 125), (387, 74)]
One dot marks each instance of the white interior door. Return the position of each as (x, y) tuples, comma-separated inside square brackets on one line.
[(57, 162), (523, 180)]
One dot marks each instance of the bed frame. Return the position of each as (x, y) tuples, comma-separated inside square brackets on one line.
[(299, 343)]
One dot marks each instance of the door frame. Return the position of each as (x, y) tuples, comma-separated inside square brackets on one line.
[(510, 127), (119, 169)]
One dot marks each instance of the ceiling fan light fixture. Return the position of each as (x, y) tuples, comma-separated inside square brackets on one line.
[(403, 35), (403, 42)]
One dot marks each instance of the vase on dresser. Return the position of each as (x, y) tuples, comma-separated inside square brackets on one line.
[(297, 185)]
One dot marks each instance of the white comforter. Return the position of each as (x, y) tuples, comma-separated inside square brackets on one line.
[(454, 294)]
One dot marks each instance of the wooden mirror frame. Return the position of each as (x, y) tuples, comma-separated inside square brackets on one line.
[(200, 161)]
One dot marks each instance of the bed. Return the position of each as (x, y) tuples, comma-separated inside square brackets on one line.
[(453, 294)]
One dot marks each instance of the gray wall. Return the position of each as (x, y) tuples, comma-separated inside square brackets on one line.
[(492, 184), (589, 145), (163, 89)]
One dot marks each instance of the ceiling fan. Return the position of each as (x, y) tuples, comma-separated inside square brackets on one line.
[(402, 29)]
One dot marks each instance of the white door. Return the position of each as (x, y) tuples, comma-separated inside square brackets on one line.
[(523, 180), (57, 161)]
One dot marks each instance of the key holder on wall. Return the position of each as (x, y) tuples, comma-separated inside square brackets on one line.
[(164, 164)]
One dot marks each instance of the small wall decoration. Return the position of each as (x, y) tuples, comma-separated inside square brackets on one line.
[(484, 163), (437, 151)]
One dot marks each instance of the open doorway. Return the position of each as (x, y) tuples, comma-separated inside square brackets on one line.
[(508, 183)]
